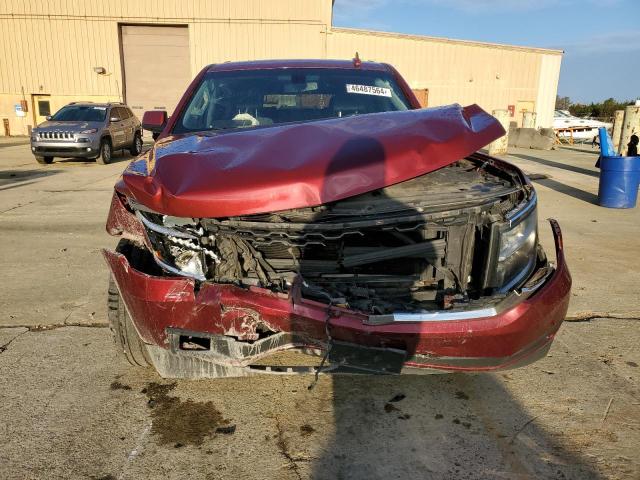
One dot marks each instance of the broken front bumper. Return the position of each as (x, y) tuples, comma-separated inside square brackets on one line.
[(165, 310)]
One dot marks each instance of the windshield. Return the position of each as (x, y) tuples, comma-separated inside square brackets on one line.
[(241, 99), (80, 113)]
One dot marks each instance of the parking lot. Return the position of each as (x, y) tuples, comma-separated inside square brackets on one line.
[(70, 408)]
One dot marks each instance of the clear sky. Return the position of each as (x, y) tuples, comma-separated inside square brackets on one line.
[(601, 39)]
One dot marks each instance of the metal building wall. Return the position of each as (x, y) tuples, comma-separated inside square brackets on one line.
[(494, 76), (51, 47), (55, 43), (548, 89)]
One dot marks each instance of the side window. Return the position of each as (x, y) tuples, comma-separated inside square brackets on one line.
[(195, 118), (126, 113), (115, 113)]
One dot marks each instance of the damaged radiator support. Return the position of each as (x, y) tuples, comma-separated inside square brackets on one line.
[(429, 250), (408, 247)]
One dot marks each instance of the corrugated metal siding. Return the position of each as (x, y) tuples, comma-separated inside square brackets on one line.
[(548, 89), (52, 46), (462, 72), (254, 42)]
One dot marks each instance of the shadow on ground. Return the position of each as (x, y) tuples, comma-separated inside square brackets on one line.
[(424, 426), (595, 150), (568, 190), (116, 157), (17, 178), (438, 427), (551, 163)]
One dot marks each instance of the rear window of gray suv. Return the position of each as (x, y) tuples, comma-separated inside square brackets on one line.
[(81, 113)]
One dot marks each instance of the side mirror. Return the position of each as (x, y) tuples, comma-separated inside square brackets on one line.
[(154, 120), (114, 119), (48, 117)]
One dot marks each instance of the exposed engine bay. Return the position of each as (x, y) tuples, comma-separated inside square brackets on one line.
[(450, 238)]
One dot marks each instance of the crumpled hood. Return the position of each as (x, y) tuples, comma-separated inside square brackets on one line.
[(304, 164)]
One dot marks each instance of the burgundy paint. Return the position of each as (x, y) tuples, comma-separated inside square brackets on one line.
[(154, 120), (301, 165), (122, 222), (305, 164), (156, 303)]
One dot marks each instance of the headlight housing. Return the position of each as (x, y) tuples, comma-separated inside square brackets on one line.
[(175, 243), (91, 130), (514, 246), (522, 235)]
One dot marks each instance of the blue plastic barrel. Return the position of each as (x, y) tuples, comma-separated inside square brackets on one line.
[(619, 181)]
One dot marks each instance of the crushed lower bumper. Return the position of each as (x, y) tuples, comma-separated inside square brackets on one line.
[(227, 322)]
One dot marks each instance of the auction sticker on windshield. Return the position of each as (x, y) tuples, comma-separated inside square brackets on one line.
[(369, 90)]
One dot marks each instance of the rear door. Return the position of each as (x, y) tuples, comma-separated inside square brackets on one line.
[(128, 120), (117, 127)]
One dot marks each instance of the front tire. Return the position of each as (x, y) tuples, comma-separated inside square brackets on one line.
[(136, 148), (104, 158), (129, 345), (44, 160)]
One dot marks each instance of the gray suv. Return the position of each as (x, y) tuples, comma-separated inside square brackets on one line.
[(87, 130)]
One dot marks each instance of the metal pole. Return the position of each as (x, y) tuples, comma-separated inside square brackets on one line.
[(630, 126), (618, 118), (500, 145)]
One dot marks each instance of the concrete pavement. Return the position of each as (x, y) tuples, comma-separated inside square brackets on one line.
[(70, 409)]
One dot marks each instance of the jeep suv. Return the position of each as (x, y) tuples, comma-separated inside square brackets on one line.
[(87, 130)]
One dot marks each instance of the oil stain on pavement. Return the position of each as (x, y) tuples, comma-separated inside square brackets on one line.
[(183, 422)]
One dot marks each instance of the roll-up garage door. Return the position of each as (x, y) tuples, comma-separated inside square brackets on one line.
[(156, 66)]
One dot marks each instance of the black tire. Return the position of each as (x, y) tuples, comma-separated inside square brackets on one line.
[(44, 160), (129, 345), (104, 157), (136, 147)]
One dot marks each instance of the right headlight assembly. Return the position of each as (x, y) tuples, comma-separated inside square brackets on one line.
[(175, 242), (515, 242)]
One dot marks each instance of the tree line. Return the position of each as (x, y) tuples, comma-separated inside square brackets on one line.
[(605, 109)]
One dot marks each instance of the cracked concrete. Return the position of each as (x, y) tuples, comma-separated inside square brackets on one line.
[(57, 217), (53, 326), (60, 414), (8, 335)]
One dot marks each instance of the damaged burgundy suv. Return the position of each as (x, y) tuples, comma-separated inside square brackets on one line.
[(298, 215)]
